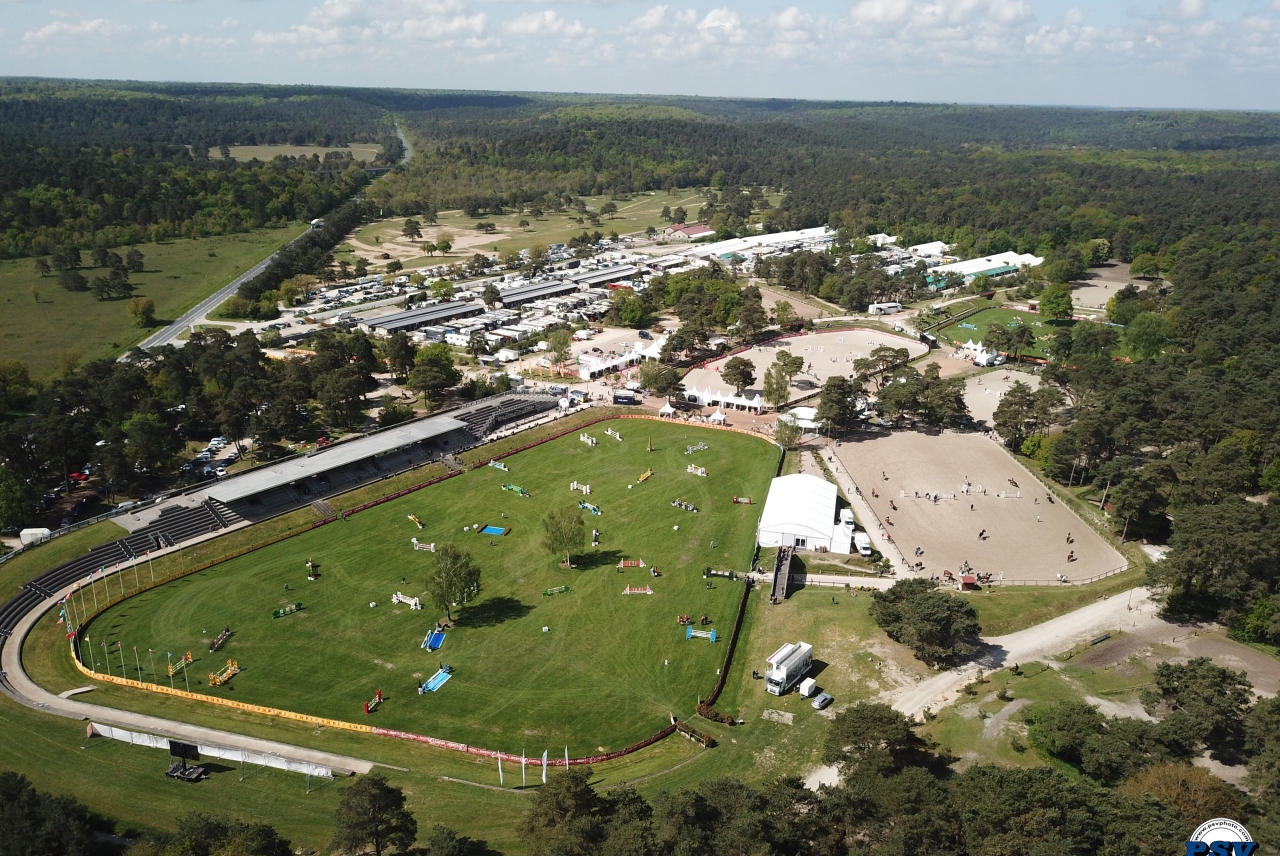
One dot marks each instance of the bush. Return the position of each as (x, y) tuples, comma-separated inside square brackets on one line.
[(706, 711)]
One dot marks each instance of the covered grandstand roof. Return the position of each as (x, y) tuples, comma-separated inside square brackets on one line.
[(291, 470)]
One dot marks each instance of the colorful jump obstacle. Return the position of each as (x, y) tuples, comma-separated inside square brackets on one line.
[(697, 471), (418, 545), (372, 705), (552, 592), (588, 439), (411, 602), (498, 465), (614, 434), (217, 643), (287, 610), (595, 537), (585, 488), (690, 633), (433, 640), (437, 680), (181, 665), (631, 563), (743, 500), (687, 506), (644, 475), (311, 571), (516, 489), (593, 508), (637, 590), (226, 673), (415, 519), (701, 447)]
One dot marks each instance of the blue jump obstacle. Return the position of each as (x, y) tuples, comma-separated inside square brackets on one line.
[(437, 680), (690, 633), (434, 640)]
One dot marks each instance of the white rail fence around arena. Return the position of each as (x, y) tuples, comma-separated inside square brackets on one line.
[(224, 753)]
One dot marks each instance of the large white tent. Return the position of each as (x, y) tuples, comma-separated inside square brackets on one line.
[(800, 511)]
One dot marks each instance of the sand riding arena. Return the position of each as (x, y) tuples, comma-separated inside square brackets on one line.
[(1002, 523)]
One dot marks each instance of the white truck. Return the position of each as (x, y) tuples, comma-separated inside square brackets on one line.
[(862, 541), (787, 667)]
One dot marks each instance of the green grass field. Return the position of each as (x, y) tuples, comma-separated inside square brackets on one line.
[(606, 674), (360, 151), (179, 274), (975, 327), (31, 563)]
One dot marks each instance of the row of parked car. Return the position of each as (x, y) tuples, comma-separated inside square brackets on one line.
[(207, 463)]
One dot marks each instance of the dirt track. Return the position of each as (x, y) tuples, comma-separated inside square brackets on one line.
[(1025, 536)]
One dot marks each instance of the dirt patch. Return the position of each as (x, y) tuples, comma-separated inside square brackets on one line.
[(824, 775), (1126, 709), (778, 716)]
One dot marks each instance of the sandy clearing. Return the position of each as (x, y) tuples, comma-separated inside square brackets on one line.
[(982, 393), (1025, 536), (826, 355)]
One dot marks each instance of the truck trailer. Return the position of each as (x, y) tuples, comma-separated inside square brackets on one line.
[(787, 667)]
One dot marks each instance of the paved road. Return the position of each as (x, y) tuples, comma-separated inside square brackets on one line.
[(1132, 611), (169, 335)]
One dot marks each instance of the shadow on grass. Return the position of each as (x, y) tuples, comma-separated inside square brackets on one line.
[(598, 559), (494, 611)]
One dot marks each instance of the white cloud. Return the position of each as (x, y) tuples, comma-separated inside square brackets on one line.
[(1185, 9), (544, 23), (382, 28), (69, 29)]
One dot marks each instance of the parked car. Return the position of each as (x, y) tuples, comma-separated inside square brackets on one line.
[(220, 472), (822, 700), (644, 334)]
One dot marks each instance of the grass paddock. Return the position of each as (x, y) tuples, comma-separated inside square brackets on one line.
[(605, 674)]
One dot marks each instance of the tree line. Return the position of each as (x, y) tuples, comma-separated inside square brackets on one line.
[(101, 166)]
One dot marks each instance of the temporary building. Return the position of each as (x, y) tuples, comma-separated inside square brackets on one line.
[(718, 416), (667, 409), (801, 511)]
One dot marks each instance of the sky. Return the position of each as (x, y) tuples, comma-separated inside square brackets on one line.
[(1211, 54)]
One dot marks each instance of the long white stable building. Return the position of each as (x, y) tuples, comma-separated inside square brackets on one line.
[(801, 512)]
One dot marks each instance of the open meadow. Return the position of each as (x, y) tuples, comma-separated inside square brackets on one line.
[(605, 673), (634, 216), (359, 151), (39, 320)]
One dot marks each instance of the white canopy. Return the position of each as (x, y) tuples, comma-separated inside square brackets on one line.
[(709, 396), (802, 417), (717, 416), (667, 409)]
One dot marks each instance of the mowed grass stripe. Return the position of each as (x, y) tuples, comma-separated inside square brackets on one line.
[(608, 672)]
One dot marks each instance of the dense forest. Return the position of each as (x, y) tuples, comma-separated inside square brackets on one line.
[(100, 165)]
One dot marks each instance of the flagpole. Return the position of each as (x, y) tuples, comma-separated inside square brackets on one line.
[(82, 649), (544, 766), (152, 566), (105, 657), (137, 582), (152, 654), (170, 656), (139, 665), (186, 679), (524, 782), (124, 671), (500, 780), (566, 759), (93, 586)]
